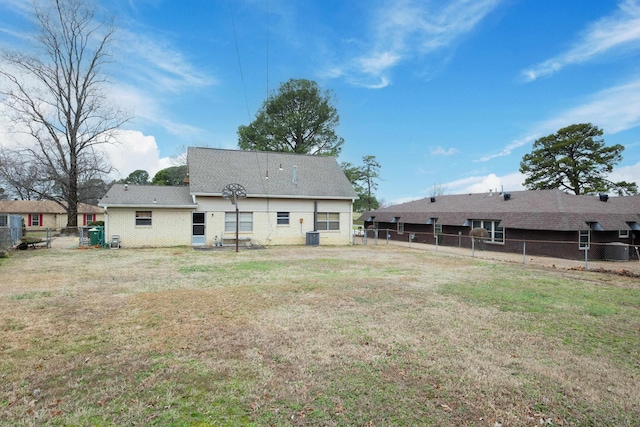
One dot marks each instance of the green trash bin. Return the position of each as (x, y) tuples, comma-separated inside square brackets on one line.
[(95, 236)]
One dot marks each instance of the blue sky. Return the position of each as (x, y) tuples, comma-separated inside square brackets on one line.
[(448, 93)]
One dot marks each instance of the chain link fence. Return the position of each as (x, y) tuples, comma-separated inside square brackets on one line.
[(514, 249)]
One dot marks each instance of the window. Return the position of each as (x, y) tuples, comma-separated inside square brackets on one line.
[(283, 218), (4, 220), (437, 229), (400, 227), (143, 217), (245, 221), (89, 218), (496, 233), (328, 221), (584, 239), (35, 220), (623, 234)]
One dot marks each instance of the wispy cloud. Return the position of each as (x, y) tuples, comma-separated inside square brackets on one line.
[(508, 149), (441, 151), (614, 110), (156, 63), (410, 29), (617, 32)]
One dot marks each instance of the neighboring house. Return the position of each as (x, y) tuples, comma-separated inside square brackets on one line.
[(287, 196), (511, 218), (43, 214)]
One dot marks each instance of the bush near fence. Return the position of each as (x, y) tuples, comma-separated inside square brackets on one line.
[(572, 250)]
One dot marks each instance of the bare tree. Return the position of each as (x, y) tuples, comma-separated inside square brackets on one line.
[(438, 189), (57, 97)]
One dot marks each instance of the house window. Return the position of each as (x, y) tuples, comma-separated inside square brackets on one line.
[(496, 233), (245, 221), (437, 229), (328, 221), (623, 234), (35, 220), (283, 218), (584, 239), (89, 218), (4, 220), (400, 227), (143, 217)]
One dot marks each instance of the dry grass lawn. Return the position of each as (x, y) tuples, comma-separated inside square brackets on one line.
[(326, 336)]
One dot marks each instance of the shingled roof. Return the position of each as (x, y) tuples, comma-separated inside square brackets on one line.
[(43, 207), (529, 210), (149, 196), (267, 174)]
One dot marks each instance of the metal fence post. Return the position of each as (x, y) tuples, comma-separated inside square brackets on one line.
[(524, 252), (586, 257), (436, 243), (473, 247)]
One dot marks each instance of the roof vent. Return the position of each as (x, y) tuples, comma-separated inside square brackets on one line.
[(295, 175), (603, 197), (126, 187), (506, 196), (433, 199), (490, 192)]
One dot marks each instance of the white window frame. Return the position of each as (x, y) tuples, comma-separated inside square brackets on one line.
[(142, 220), (35, 220), (401, 228), (437, 229), (328, 221), (245, 222), (623, 234), (283, 218), (496, 233), (584, 239)]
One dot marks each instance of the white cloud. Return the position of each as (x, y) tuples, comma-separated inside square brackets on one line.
[(614, 110), (158, 65), (484, 183), (441, 151), (409, 29), (134, 151), (626, 173), (615, 33)]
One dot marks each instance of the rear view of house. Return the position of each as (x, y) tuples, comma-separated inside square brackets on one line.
[(285, 197)]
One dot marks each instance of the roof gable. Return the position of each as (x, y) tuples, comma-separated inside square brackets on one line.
[(267, 174)]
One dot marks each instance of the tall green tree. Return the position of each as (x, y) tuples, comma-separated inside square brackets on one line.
[(298, 118), (174, 175), (56, 94), (137, 177), (364, 181), (575, 159)]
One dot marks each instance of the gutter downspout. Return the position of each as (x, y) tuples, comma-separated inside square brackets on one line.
[(315, 215)]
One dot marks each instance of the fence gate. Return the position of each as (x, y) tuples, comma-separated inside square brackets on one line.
[(15, 223)]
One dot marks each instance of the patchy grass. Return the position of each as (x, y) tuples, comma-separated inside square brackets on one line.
[(312, 336)]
